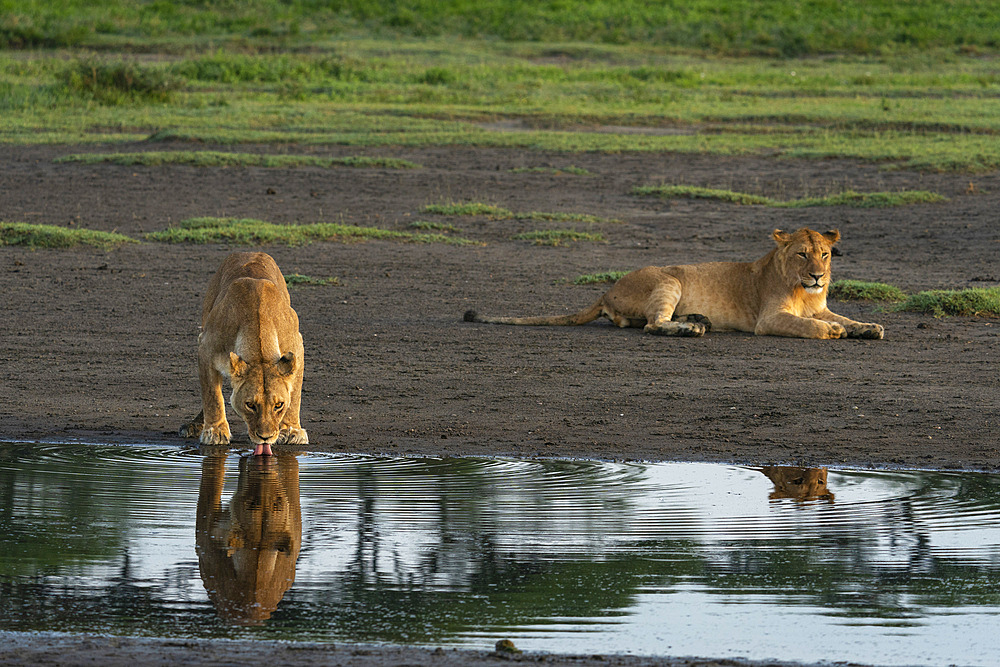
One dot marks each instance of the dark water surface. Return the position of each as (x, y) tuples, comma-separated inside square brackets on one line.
[(878, 567)]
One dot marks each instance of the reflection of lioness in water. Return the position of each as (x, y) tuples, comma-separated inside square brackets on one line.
[(781, 294), (247, 551), (250, 334), (798, 483)]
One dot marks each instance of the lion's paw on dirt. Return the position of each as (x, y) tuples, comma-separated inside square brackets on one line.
[(869, 330)]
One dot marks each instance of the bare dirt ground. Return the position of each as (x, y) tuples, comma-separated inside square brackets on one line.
[(101, 345)]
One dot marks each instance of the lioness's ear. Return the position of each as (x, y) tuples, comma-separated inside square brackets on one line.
[(237, 366), (780, 237), (286, 364), (832, 236)]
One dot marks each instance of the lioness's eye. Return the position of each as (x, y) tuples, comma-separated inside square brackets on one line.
[(278, 406), (825, 255), (250, 406), (802, 255)]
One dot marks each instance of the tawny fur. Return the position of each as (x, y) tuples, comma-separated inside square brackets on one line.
[(781, 294), (250, 336)]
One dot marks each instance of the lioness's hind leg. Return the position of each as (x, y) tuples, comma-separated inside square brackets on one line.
[(660, 312), (194, 427), (695, 317), (683, 329)]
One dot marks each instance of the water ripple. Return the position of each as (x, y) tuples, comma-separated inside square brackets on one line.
[(563, 555)]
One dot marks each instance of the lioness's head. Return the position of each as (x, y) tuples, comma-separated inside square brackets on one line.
[(261, 394), (804, 257), (798, 483)]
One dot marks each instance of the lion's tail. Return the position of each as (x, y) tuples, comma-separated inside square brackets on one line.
[(586, 315)]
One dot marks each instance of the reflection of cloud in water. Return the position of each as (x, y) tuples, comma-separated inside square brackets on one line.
[(247, 549)]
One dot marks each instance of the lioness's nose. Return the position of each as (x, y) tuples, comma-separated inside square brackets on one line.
[(816, 276)]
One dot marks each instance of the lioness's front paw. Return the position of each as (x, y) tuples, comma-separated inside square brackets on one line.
[(216, 435), (868, 330), (293, 436)]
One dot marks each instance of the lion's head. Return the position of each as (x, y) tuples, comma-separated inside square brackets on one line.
[(804, 257), (798, 483), (262, 392)]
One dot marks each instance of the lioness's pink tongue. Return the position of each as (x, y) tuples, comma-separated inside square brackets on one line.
[(263, 449)]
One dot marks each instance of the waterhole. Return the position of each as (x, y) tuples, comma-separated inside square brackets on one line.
[(878, 567)]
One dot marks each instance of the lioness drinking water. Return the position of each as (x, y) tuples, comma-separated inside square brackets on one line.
[(250, 335)]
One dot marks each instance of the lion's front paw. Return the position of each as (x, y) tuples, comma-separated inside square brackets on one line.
[(868, 330), (216, 435), (293, 436)]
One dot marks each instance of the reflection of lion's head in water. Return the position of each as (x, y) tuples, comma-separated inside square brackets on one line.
[(798, 483), (247, 550)]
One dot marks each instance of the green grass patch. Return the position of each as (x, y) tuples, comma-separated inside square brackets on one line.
[(694, 192), (845, 198), (495, 212), (115, 83), (973, 302), (603, 277), (859, 290), (244, 231), (297, 279), (557, 237), (470, 208), (427, 226), (50, 236), (224, 159), (780, 28), (555, 171), (268, 72)]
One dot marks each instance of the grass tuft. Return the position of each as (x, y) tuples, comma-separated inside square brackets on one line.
[(859, 290), (973, 302), (247, 231), (605, 277), (296, 279), (469, 208), (694, 192), (224, 159), (117, 83), (845, 198), (51, 236), (557, 237), (499, 213), (433, 226)]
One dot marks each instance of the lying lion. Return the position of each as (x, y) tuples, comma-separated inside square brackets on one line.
[(781, 294), (250, 335)]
